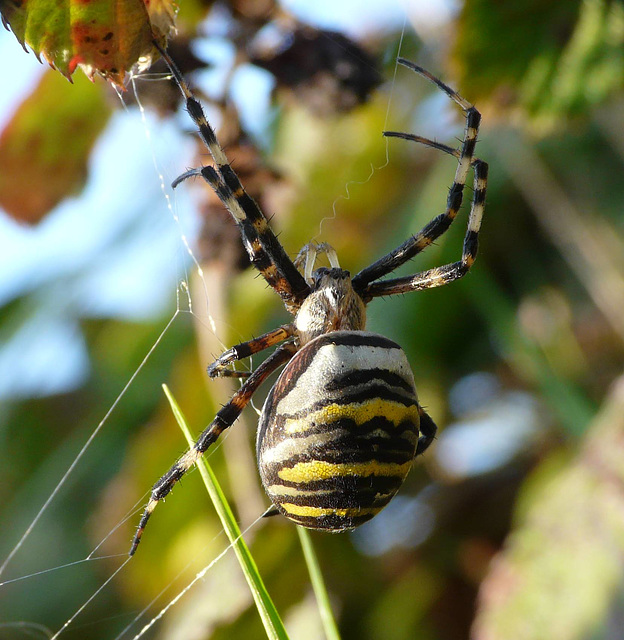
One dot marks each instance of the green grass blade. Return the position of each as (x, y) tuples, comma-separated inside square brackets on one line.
[(318, 584), (271, 620)]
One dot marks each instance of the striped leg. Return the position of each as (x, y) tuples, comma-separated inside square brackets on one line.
[(439, 276), (439, 225), (428, 430), (245, 349), (225, 417), (265, 251)]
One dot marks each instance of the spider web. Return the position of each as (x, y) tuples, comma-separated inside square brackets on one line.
[(183, 308), (196, 300)]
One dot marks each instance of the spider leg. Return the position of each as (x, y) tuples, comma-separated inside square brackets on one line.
[(428, 431), (439, 276), (191, 173), (414, 138), (265, 251), (441, 223), (245, 349), (225, 417)]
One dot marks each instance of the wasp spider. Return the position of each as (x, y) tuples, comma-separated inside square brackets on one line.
[(342, 425)]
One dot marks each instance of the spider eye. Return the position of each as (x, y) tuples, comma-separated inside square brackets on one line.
[(339, 274), (319, 274), (326, 273)]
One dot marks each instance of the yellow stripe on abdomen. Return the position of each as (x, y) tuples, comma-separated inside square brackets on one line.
[(319, 512), (358, 412), (304, 472)]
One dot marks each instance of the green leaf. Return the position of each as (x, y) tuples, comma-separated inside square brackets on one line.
[(271, 619), (318, 584), (561, 569), (103, 36), (552, 59)]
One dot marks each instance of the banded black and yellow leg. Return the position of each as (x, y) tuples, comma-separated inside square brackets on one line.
[(440, 224), (261, 243), (225, 417), (439, 276), (428, 430), (245, 349)]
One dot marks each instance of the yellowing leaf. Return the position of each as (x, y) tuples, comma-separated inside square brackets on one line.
[(45, 147), (103, 36), (561, 570)]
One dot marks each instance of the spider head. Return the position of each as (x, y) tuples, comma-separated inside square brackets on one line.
[(330, 277), (332, 305)]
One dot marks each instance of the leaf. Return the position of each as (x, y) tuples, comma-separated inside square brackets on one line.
[(273, 625), (497, 41), (318, 584), (561, 569), (103, 36), (45, 147), (553, 59)]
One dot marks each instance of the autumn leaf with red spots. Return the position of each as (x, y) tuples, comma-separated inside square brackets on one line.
[(45, 147), (107, 37)]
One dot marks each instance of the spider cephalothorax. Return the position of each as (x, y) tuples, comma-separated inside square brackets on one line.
[(332, 305), (342, 425)]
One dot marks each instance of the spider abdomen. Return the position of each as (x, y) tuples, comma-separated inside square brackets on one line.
[(339, 430)]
